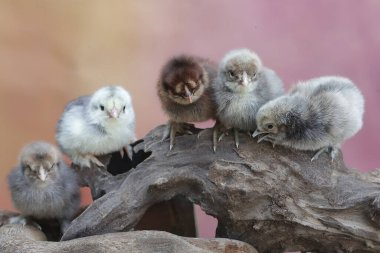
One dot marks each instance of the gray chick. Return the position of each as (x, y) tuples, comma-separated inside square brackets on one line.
[(243, 85), (318, 115), (99, 124), (43, 187)]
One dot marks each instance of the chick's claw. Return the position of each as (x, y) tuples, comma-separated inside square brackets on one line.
[(221, 136), (181, 129), (23, 220), (236, 135), (95, 160), (332, 151), (128, 150)]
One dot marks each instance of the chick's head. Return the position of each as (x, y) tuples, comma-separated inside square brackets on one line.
[(109, 104), (40, 162), (184, 80), (280, 118), (239, 70)]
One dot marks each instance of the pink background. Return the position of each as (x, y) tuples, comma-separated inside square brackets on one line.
[(54, 51)]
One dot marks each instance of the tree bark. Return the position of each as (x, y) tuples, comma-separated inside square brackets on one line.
[(275, 199)]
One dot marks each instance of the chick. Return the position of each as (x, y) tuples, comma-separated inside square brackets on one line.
[(42, 186), (185, 92), (318, 115), (243, 85), (99, 124)]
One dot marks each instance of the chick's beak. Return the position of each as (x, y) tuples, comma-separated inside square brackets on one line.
[(256, 133), (42, 174), (114, 113), (189, 95), (245, 79)]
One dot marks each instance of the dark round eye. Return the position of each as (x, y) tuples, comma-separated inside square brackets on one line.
[(254, 75), (232, 74), (124, 108), (102, 107), (270, 126)]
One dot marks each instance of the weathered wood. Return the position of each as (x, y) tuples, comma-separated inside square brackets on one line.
[(26, 239), (50, 227), (276, 199), (175, 215)]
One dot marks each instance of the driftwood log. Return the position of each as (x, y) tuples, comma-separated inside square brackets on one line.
[(275, 199), (27, 239)]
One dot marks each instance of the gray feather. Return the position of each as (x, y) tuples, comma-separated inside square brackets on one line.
[(319, 113), (237, 109), (58, 197)]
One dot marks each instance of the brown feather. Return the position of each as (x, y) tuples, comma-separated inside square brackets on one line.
[(196, 74)]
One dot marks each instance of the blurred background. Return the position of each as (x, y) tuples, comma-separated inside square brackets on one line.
[(54, 51)]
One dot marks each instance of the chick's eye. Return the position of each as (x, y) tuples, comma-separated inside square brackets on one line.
[(124, 108), (270, 126), (101, 107), (231, 74)]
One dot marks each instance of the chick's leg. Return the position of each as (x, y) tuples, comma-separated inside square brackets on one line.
[(172, 136), (166, 132), (215, 131), (180, 128), (214, 138), (334, 151)]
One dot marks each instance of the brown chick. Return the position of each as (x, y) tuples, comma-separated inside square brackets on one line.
[(186, 94)]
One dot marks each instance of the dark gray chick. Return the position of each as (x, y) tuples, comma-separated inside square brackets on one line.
[(42, 186)]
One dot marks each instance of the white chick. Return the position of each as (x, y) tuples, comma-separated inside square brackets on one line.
[(318, 115), (99, 124), (243, 85)]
